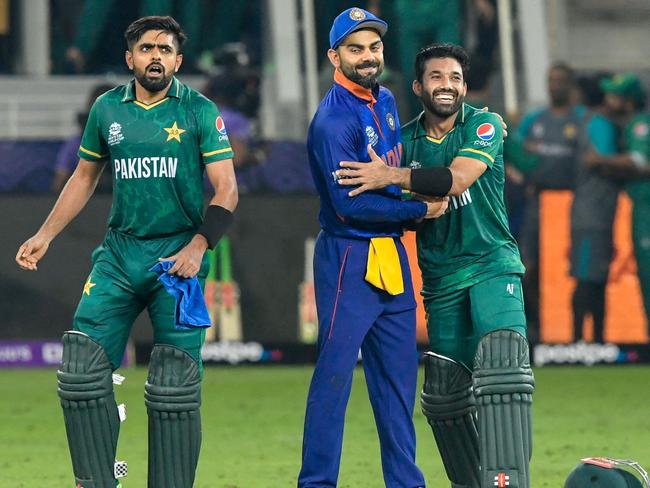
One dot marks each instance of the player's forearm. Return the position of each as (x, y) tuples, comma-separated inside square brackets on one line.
[(71, 201), (226, 196), (369, 207)]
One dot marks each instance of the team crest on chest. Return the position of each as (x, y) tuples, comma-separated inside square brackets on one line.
[(115, 135), (570, 131), (174, 132), (390, 119)]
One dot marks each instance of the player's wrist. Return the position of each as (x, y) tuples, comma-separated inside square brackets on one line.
[(199, 242), (216, 222), (401, 177)]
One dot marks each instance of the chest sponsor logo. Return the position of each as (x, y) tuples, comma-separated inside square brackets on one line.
[(485, 132), (641, 129), (115, 135), (373, 138), (145, 168), (390, 120)]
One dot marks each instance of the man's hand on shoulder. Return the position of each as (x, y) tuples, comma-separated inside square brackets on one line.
[(188, 260), (372, 175), (503, 122)]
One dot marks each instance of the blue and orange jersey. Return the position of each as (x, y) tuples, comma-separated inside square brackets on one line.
[(348, 119)]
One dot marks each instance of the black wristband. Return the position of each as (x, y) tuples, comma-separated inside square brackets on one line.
[(215, 224), (434, 182)]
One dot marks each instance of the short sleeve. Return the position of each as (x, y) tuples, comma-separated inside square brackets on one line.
[(93, 146), (483, 138), (213, 137), (638, 137)]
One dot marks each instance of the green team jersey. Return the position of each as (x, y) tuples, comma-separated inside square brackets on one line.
[(637, 140), (472, 241), (157, 154)]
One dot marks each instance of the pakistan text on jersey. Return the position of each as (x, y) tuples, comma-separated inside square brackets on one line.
[(461, 200), (147, 167)]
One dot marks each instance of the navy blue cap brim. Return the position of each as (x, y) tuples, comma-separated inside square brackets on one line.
[(378, 25)]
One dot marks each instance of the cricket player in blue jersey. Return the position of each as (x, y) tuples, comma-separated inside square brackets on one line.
[(364, 293)]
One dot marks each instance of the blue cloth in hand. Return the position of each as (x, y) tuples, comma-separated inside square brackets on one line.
[(191, 310)]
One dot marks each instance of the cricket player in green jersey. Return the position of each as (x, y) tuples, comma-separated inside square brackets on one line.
[(478, 386), (633, 166), (159, 136)]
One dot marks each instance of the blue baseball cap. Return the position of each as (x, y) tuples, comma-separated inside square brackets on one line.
[(351, 20)]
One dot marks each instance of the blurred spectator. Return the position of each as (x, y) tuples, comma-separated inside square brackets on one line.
[(94, 45), (66, 158), (420, 23), (483, 38), (594, 207), (225, 90), (549, 137), (634, 165)]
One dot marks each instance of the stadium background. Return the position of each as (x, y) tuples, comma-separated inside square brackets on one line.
[(268, 56)]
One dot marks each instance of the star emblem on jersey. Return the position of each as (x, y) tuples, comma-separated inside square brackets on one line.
[(174, 132), (88, 285)]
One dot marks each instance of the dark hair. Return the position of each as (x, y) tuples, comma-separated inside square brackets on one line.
[(590, 91), (565, 68), (137, 29), (441, 51)]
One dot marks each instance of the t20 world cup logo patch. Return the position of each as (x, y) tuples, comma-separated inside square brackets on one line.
[(485, 132), (220, 125)]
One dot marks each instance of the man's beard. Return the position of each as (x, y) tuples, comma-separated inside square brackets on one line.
[(153, 85), (369, 81), (443, 110), (560, 99)]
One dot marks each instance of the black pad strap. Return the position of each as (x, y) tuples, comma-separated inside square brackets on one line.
[(435, 182)]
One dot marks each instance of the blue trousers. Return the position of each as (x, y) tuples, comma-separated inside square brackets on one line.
[(354, 315)]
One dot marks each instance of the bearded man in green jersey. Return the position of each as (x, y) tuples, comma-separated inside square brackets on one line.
[(478, 386), (160, 137)]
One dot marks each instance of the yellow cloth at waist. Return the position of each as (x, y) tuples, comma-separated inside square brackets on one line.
[(383, 269)]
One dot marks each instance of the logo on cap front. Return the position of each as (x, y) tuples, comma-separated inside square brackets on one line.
[(357, 14), (485, 132)]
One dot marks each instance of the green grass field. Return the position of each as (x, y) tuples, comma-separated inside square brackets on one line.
[(252, 427)]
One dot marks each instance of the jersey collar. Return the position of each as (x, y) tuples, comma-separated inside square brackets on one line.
[(420, 130), (354, 88), (174, 91)]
